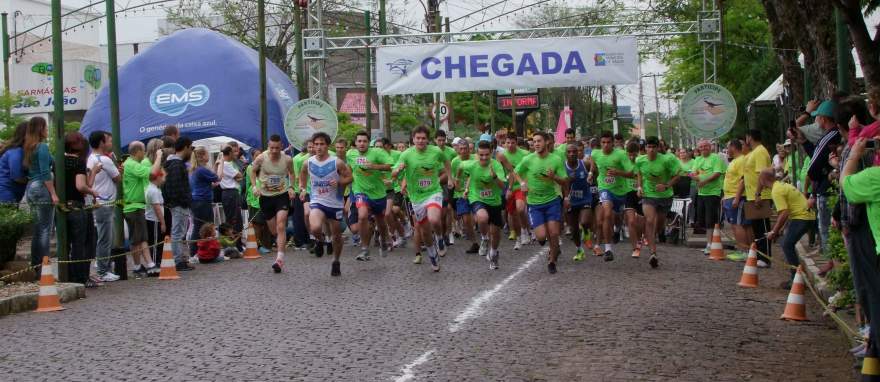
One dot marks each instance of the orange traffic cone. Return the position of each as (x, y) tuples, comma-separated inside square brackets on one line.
[(250, 248), (794, 308), (48, 301), (716, 249), (750, 271), (168, 269)]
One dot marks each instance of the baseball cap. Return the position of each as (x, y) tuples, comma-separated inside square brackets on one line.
[(826, 109), (457, 141)]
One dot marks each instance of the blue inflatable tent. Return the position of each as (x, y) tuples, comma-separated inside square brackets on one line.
[(205, 83)]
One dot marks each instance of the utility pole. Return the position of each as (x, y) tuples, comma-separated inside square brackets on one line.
[(368, 83), (58, 122), (614, 125), (113, 91), (261, 38), (601, 107), (657, 103), (301, 84), (5, 53), (384, 101), (641, 109)]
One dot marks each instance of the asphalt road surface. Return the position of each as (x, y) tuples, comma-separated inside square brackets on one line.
[(391, 320)]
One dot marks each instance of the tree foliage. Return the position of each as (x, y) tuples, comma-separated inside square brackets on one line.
[(8, 119)]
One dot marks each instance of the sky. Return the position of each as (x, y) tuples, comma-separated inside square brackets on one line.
[(141, 27)]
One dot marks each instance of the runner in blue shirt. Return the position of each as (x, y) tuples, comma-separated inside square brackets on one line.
[(578, 208)]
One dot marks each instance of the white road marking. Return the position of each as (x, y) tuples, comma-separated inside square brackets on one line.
[(473, 309), (408, 372)]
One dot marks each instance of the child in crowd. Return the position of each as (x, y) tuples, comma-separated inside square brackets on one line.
[(228, 242), (155, 216), (208, 249)]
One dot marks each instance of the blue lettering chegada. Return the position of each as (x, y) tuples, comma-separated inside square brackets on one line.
[(173, 99)]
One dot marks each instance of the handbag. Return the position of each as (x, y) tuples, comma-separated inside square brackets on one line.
[(757, 211)]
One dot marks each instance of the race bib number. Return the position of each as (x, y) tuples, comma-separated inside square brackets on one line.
[(273, 182), (577, 194), (485, 193), (425, 183), (609, 180)]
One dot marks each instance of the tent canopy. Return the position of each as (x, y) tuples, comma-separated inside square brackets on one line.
[(205, 83)]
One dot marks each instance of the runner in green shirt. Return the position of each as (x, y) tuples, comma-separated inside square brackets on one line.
[(460, 199), (422, 166), (560, 150), (484, 182), (516, 199), (541, 175), (449, 154), (657, 174), (708, 170), (368, 165), (612, 168)]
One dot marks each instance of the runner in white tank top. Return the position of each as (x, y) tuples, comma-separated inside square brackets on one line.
[(328, 176)]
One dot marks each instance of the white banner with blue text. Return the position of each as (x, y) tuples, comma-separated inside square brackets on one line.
[(507, 64)]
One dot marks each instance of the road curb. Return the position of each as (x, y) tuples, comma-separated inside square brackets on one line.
[(28, 301)]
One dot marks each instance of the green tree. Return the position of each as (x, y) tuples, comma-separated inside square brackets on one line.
[(7, 118), (346, 128), (743, 70)]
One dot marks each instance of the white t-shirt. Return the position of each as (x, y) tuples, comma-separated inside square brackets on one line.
[(153, 195), (229, 174), (104, 184)]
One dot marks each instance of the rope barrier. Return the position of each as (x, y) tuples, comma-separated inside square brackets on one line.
[(839, 320), (56, 261)]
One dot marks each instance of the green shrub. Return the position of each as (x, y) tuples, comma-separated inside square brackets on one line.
[(14, 222)]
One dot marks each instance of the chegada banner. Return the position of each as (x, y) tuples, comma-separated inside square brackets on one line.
[(490, 65)]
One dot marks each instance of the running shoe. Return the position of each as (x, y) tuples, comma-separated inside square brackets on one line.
[(475, 248), (108, 277), (637, 253), (418, 259), (609, 256), (264, 250), (277, 266), (493, 261), (399, 242), (451, 238), (334, 269), (441, 247), (484, 248), (516, 245), (579, 256), (364, 255), (737, 256), (435, 261), (653, 261), (524, 239), (140, 271), (597, 251), (319, 249), (551, 268), (512, 236)]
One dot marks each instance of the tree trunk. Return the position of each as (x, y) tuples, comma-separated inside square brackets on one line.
[(867, 48), (792, 73), (814, 37)]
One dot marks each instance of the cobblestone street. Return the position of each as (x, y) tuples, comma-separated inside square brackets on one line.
[(388, 319)]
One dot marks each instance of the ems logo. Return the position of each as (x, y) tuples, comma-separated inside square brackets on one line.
[(608, 59), (599, 59), (400, 66)]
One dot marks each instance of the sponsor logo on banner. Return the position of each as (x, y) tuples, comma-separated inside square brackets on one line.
[(307, 117), (172, 99), (708, 110), (489, 65)]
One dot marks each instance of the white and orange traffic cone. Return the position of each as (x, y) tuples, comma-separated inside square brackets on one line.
[(716, 249), (250, 247), (168, 269), (795, 310), (48, 301), (750, 271)]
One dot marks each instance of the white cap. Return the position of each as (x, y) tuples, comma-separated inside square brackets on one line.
[(457, 141)]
